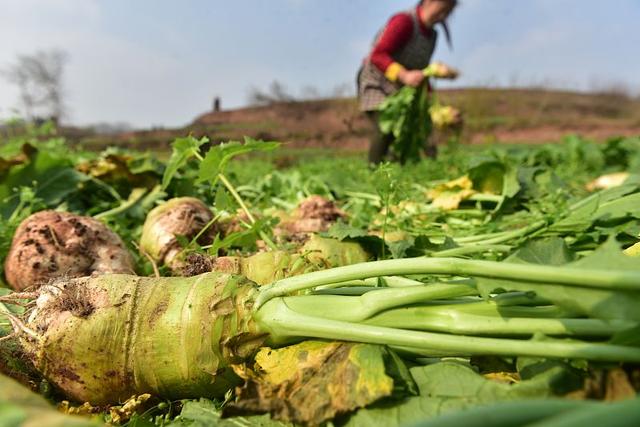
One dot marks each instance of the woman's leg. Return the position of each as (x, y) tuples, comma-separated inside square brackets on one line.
[(380, 143)]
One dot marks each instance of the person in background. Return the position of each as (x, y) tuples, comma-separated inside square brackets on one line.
[(401, 50)]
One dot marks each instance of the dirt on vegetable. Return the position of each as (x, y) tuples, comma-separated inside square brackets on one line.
[(50, 244)]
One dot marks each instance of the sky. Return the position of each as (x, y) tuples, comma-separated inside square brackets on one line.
[(160, 62)]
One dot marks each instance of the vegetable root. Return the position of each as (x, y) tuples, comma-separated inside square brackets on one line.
[(50, 244)]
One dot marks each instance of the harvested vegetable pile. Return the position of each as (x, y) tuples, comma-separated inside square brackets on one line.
[(215, 291)]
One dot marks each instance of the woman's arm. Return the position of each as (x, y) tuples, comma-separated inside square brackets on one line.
[(396, 35)]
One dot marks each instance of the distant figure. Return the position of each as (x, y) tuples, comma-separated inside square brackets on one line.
[(401, 50), (216, 104)]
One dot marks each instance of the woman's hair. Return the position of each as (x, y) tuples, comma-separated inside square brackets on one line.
[(445, 27), (455, 2)]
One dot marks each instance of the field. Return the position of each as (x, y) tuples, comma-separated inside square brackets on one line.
[(507, 116), (498, 274)]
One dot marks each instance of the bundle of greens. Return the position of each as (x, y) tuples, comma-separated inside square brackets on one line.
[(407, 115)]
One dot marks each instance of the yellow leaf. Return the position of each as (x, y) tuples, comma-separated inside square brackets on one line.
[(633, 250), (607, 181), (449, 195)]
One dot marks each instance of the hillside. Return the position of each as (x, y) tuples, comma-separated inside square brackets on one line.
[(492, 115)]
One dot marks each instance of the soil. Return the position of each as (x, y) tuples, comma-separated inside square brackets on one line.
[(491, 116)]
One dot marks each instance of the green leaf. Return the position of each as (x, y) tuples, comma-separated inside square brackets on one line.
[(222, 200), (245, 239), (630, 337), (52, 178), (183, 149), (344, 232), (399, 248), (204, 413), (217, 157), (595, 303), (495, 177), (447, 387), (551, 251), (6, 329), (611, 204)]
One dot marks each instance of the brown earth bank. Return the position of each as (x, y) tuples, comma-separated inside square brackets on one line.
[(491, 115)]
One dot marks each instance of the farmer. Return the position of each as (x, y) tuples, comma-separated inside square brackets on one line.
[(400, 51)]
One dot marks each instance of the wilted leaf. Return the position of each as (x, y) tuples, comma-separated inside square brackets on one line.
[(314, 381), (633, 251), (607, 181), (123, 413), (117, 167), (449, 195), (26, 153), (333, 253)]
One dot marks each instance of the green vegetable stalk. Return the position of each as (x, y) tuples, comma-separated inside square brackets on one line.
[(103, 339)]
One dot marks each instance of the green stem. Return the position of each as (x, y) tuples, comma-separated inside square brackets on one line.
[(529, 299), (350, 291), (245, 209), (285, 325), (515, 233), (236, 196), (400, 282), (17, 211), (136, 195), (205, 228), (358, 309), (479, 237), (590, 278), (109, 189), (367, 196), (471, 249), (456, 319)]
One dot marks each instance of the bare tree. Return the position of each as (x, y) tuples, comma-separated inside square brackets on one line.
[(277, 92), (39, 79), (343, 90), (310, 92)]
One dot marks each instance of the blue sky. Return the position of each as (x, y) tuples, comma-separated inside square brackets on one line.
[(160, 62)]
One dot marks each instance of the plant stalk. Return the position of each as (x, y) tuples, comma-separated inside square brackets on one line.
[(285, 325), (590, 278)]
